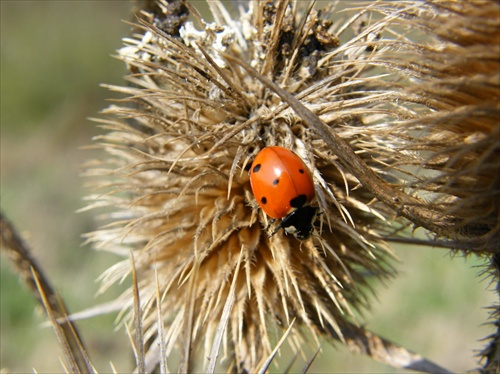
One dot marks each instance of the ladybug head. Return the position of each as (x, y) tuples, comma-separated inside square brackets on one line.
[(299, 222)]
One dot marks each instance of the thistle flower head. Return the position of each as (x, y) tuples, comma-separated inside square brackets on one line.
[(181, 143)]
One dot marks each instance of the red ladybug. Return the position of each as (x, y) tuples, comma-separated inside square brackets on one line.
[(284, 188)]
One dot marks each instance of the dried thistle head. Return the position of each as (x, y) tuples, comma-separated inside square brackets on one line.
[(181, 143)]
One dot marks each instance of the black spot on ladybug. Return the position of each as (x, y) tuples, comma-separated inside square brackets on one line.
[(298, 201), (301, 171), (275, 182), (256, 168), (263, 200)]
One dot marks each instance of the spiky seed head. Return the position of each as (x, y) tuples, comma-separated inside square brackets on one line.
[(180, 144)]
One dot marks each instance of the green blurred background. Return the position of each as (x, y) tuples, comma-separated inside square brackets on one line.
[(54, 55)]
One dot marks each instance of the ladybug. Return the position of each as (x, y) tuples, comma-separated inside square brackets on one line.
[(284, 188)]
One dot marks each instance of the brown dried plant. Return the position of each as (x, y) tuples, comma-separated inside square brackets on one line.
[(394, 106)]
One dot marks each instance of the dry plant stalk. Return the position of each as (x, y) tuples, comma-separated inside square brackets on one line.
[(394, 106), (77, 360)]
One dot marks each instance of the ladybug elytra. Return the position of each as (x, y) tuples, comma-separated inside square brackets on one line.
[(284, 188)]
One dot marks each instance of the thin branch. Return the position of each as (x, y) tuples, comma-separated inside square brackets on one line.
[(138, 336), (38, 283), (360, 340)]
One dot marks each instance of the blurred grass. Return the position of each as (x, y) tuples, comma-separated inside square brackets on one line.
[(54, 56)]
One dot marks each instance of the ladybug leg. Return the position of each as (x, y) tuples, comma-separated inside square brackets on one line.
[(271, 221), (276, 229)]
